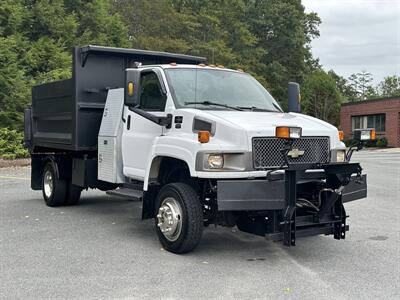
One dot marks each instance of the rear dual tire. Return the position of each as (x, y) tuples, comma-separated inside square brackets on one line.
[(58, 192)]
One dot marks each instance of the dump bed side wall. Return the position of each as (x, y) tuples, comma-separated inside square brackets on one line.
[(67, 114), (53, 111)]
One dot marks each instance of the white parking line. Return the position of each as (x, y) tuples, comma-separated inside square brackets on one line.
[(12, 177)]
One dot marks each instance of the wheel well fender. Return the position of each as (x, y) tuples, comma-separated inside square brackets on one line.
[(163, 166), (163, 169)]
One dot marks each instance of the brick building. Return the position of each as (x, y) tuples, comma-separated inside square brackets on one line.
[(381, 114)]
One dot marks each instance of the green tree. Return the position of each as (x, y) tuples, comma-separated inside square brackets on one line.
[(361, 83), (268, 38), (217, 30), (157, 25), (389, 87), (14, 95), (284, 31), (364, 81), (347, 90), (320, 97), (36, 37), (371, 93)]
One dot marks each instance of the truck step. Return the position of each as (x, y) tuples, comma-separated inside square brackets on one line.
[(126, 193)]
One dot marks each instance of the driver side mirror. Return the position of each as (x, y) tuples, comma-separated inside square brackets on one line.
[(294, 97), (132, 87)]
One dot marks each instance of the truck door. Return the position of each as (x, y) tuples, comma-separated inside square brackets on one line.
[(139, 133)]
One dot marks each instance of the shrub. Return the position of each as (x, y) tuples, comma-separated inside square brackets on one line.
[(378, 142), (381, 142), (348, 142), (371, 143), (11, 144)]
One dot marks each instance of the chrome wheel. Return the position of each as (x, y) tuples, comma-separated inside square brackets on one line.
[(48, 183), (169, 219)]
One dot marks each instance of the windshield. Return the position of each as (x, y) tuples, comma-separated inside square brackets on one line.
[(218, 89)]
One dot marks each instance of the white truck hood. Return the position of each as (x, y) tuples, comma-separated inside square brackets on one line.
[(269, 120), (264, 123)]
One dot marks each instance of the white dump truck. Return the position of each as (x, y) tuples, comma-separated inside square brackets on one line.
[(198, 144)]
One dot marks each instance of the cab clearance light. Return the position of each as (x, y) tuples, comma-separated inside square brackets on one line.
[(284, 132), (203, 136)]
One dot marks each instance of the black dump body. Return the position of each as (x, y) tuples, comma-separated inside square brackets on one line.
[(66, 115)]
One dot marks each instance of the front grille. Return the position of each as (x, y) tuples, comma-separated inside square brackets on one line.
[(267, 151)]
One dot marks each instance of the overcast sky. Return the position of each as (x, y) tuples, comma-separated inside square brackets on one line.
[(358, 35)]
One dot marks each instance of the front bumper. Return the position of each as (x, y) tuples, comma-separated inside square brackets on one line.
[(269, 207), (269, 194)]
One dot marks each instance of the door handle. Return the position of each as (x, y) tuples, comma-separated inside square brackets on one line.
[(128, 123)]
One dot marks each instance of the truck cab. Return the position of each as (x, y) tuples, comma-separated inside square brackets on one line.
[(229, 106), (198, 144)]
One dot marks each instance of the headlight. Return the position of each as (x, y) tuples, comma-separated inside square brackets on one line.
[(341, 156), (227, 162), (295, 132), (215, 161)]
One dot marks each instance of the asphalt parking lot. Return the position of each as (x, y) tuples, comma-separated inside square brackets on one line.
[(101, 249)]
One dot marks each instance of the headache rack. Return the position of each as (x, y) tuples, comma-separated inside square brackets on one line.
[(66, 114)]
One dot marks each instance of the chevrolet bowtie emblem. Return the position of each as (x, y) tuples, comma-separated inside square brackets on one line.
[(295, 153)]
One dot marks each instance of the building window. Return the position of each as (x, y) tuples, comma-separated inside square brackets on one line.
[(371, 121)]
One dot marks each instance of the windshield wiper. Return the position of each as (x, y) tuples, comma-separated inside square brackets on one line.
[(214, 103), (255, 108), (277, 107)]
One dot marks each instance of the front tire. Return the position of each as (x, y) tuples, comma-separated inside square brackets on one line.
[(53, 189), (178, 218)]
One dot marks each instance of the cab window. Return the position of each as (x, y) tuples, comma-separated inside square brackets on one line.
[(151, 96)]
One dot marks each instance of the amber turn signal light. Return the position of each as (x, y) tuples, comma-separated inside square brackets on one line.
[(203, 136), (284, 132), (341, 135), (373, 134)]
